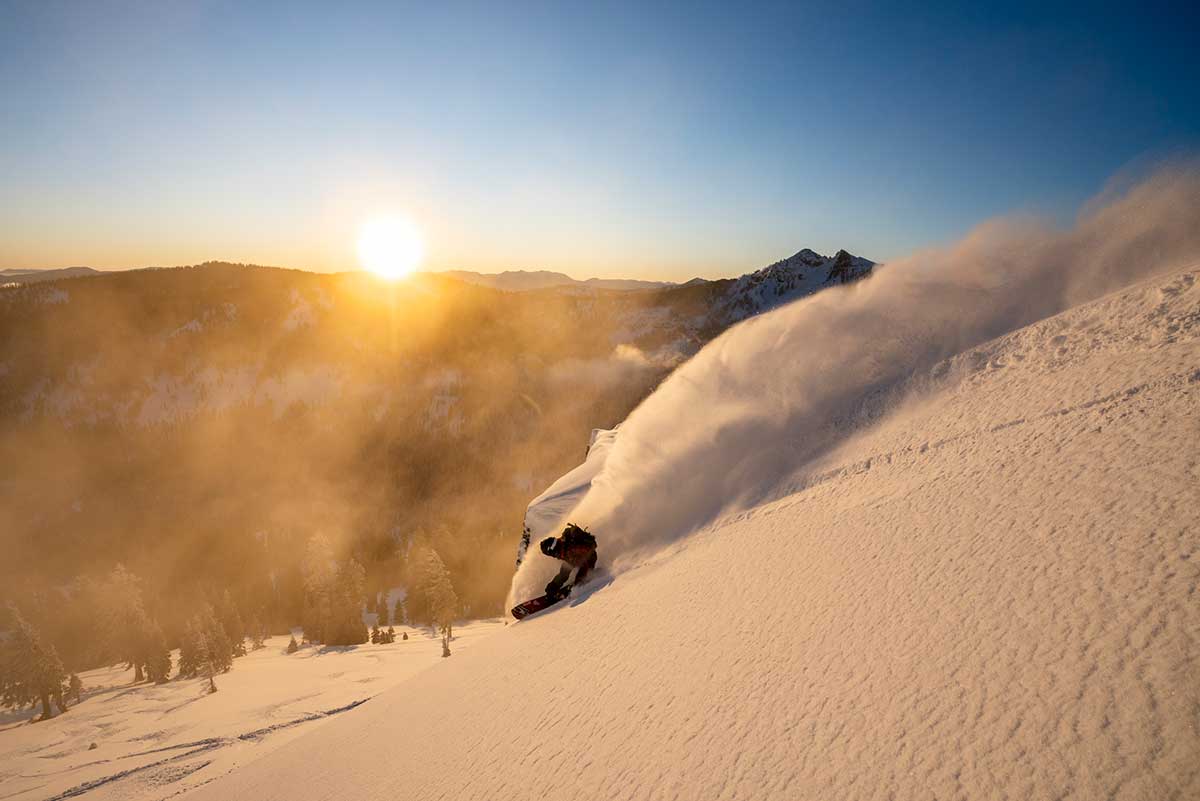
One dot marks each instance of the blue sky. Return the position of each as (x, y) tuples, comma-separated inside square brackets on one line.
[(637, 139)]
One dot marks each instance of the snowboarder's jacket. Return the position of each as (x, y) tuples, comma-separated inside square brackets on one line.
[(577, 548)]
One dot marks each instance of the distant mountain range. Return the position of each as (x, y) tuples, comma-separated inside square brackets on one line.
[(507, 281), (141, 405), (526, 280), (36, 276), (805, 271)]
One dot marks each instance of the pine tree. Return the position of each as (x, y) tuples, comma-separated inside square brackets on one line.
[(189, 654), (156, 654), (438, 596), (346, 615), (231, 622), (130, 617), (204, 654), (385, 619), (125, 632), (30, 670), (61, 693), (258, 633), (391, 635), (219, 649), (319, 577), (293, 646), (123, 624), (76, 688)]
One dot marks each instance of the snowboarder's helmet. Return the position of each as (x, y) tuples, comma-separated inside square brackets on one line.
[(550, 546)]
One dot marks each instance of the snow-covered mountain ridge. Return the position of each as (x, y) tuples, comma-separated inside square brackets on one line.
[(798, 275)]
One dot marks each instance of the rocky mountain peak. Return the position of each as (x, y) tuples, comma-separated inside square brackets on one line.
[(801, 274)]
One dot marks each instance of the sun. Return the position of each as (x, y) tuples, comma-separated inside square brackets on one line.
[(390, 247)]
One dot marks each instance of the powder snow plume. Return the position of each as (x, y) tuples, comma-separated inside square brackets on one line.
[(770, 395)]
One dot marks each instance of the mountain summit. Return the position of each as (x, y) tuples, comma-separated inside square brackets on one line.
[(786, 280)]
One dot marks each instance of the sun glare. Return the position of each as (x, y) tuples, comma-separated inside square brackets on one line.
[(390, 247)]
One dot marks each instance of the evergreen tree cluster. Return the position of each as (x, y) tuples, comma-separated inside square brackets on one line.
[(106, 621), (126, 632), (333, 596), (112, 619), (30, 670), (383, 636), (206, 648)]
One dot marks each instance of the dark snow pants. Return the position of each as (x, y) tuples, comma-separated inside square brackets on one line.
[(556, 585)]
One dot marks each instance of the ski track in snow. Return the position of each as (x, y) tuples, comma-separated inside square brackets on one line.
[(154, 742), (174, 773), (991, 592)]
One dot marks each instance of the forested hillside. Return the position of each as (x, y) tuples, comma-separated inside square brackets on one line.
[(201, 425)]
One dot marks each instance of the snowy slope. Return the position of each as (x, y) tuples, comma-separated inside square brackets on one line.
[(988, 591), (155, 741)]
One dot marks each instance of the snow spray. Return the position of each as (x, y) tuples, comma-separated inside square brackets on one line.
[(775, 392)]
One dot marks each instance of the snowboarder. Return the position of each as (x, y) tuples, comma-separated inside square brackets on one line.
[(577, 549)]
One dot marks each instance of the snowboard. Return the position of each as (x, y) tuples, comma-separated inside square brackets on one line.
[(521, 611)]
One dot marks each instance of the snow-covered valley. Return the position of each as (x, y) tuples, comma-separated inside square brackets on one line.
[(989, 592), (155, 741)]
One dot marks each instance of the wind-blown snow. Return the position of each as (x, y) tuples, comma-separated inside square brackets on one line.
[(991, 593), (979, 582), (545, 512), (776, 392)]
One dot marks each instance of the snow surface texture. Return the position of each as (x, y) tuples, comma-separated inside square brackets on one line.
[(155, 741), (982, 587)]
